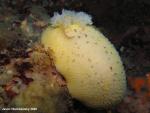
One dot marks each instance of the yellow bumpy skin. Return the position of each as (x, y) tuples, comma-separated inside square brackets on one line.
[(88, 61)]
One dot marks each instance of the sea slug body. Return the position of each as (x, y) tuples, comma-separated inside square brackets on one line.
[(85, 57)]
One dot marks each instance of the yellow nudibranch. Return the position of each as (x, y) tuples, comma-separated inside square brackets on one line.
[(85, 57)]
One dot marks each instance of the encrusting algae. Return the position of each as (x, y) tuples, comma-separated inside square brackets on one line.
[(33, 84)]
